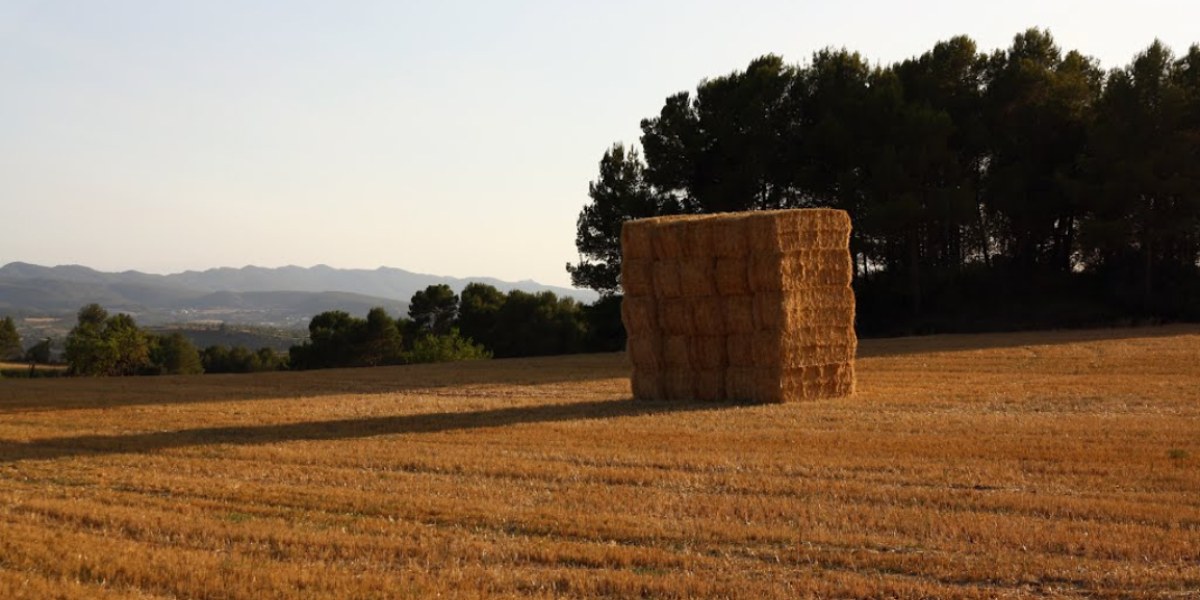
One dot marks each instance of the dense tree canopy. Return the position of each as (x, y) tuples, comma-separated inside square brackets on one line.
[(100, 344), (174, 354), (486, 322), (521, 323), (239, 359), (975, 181), (434, 309), (337, 339)]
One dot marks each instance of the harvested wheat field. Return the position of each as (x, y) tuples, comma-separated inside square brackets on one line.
[(1009, 465)]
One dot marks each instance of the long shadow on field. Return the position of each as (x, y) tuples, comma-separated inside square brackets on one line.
[(958, 342), (72, 393), (145, 443)]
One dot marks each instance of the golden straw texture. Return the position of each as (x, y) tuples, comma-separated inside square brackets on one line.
[(750, 306)]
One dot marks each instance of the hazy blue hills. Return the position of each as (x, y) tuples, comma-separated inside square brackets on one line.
[(284, 296)]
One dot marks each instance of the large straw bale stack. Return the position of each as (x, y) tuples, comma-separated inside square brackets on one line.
[(750, 306)]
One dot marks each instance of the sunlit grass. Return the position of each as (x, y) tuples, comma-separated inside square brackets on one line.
[(1039, 464)]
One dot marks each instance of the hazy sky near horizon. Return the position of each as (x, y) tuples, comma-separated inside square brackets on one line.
[(454, 138)]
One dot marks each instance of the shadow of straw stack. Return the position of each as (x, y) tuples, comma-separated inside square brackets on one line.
[(753, 306)]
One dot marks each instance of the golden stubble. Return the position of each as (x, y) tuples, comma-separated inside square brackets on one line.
[(1004, 465)]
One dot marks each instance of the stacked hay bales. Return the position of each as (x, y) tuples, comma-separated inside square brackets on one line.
[(749, 306)]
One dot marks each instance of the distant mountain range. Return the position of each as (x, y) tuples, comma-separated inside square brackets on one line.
[(284, 296)]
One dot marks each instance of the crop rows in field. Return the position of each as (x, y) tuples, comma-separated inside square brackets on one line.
[(966, 466)]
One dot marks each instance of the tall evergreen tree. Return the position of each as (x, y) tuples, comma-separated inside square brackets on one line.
[(620, 193), (1038, 106), (434, 309)]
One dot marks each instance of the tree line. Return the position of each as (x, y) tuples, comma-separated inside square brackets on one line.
[(1022, 187), (441, 325), (480, 322)]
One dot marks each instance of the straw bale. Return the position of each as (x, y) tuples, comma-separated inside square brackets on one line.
[(817, 381), (744, 383), (820, 239), (675, 316), (774, 232), (817, 334), (796, 356), (709, 385), (699, 235), (779, 272), (636, 239), (762, 233), (732, 276), (766, 349), (669, 238), (818, 267), (774, 311), (769, 311), (696, 277), (666, 279), (753, 306), (808, 219), (765, 273), (766, 383), (803, 308), (708, 315), (739, 313), (816, 296), (819, 305), (775, 385), (640, 315), (730, 237), (645, 352), (707, 352), (637, 276), (771, 349), (676, 352), (739, 349), (679, 384), (647, 385)]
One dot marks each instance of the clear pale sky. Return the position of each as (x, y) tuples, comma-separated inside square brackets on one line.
[(455, 138)]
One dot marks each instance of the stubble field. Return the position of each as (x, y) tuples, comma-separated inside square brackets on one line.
[(1009, 465)]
